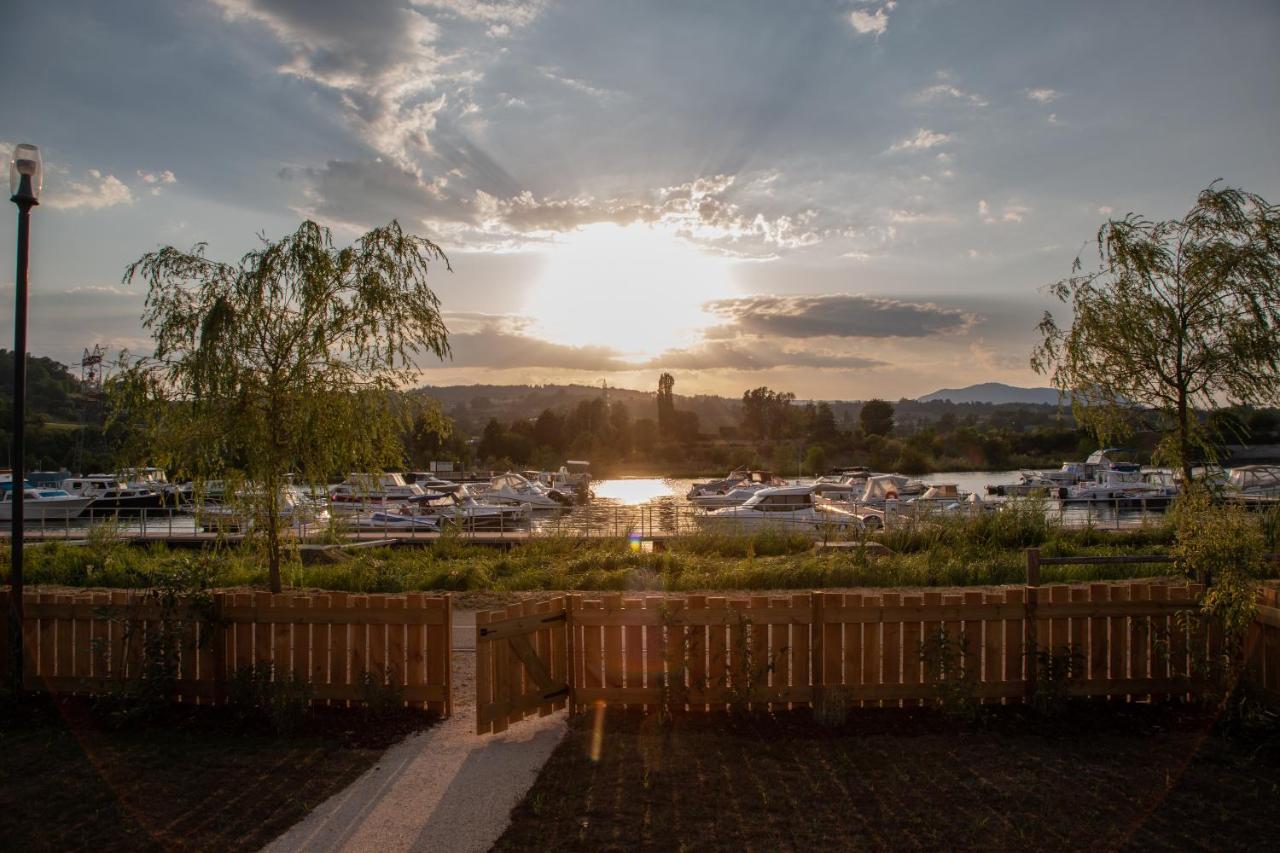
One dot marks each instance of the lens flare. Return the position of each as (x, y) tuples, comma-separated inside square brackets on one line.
[(597, 733)]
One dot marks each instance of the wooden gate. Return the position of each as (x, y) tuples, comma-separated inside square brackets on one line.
[(521, 663)]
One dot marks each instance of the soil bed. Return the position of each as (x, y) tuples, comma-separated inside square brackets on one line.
[(1136, 778), (196, 779)]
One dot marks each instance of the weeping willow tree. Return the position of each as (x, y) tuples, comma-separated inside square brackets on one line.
[(1179, 318), (284, 363)]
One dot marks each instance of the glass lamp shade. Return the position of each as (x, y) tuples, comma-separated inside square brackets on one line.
[(25, 172)]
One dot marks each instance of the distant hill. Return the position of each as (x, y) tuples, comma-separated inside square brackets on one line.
[(471, 406), (995, 392)]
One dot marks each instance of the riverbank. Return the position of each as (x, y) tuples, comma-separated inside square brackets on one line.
[(986, 551)]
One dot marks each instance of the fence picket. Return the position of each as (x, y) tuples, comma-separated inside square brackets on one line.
[(893, 652), (912, 664), (852, 631), (718, 656), (633, 639), (655, 648), (992, 655), (1099, 638), (780, 652), (1118, 666)]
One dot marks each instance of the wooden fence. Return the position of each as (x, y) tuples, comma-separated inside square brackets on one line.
[(1262, 648), (1120, 640), (350, 648)]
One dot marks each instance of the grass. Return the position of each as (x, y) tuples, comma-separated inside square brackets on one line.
[(197, 779), (983, 551), (1138, 777)]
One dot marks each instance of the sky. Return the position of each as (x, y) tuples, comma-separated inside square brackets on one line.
[(838, 198)]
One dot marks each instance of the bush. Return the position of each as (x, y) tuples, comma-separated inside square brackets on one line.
[(259, 696)]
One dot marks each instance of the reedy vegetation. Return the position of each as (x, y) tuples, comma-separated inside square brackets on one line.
[(982, 551)]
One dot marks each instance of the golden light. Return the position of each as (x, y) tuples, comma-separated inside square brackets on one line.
[(635, 288)]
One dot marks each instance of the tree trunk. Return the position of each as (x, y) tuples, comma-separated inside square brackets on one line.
[(1184, 438), (273, 538)]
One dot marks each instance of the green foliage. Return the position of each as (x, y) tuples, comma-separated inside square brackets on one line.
[(184, 599), (953, 675), (876, 417), (380, 695), (285, 362), (1224, 547), (1056, 670), (259, 694), (1179, 316)]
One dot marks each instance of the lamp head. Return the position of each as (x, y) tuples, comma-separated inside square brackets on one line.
[(25, 172)]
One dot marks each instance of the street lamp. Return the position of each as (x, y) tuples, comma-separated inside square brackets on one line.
[(25, 176)]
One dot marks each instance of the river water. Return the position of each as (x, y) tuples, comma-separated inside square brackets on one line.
[(642, 505)]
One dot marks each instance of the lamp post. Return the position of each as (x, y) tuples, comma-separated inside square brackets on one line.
[(24, 185)]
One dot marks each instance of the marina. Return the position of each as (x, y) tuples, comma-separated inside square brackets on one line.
[(647, 509)]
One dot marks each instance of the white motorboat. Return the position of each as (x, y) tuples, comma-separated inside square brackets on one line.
[(736, 493), (842, 488), (724, 484), (462, 510), (41, 503), (1254, 481), (1122, 485), (384, 520), (782, 508), (109, 493), (890, 487), (367, 492), (241, 514), (512, 489), (431, 483)]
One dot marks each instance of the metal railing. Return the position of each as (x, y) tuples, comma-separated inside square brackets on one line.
[(658, 519)]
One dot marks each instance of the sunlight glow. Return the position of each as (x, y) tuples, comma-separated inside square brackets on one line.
[(634, 288), (632, 491)]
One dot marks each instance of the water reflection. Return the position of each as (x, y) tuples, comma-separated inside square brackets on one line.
[(631, 492)]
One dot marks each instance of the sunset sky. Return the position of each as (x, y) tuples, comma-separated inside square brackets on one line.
[(840, 199)]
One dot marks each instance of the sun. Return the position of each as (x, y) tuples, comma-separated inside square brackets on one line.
[(635, 288)]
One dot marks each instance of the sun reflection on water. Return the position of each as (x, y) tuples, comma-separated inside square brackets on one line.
[(632, 492)]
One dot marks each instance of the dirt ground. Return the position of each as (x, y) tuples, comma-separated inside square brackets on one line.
[(1136, 778), (196, 780)]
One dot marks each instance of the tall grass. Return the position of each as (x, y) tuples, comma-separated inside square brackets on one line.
[(980, 551)]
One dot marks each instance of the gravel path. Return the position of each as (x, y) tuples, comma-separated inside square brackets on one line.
[(442, 789)]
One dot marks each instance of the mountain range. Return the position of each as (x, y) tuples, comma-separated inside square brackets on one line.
[(995, 392)]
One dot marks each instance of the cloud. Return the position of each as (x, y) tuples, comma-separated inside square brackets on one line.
[(923, 140), (379, 56), (703, 210), (577, 85), (494, 13), (157, 180), (504, 341), (500, 342), (912, 217), (383, 59), (756, 354), (835, 315), (95, 192), (1010, 212), (1105, 210), (1043, 96), (872, 23), (944, 91)]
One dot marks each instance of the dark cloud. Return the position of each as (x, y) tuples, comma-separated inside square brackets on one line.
[(756, 354), (507, 342), (501, 342), (835, 315)]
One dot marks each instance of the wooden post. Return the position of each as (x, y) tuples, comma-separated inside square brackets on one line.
[(816, 680), (1031, 642)]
